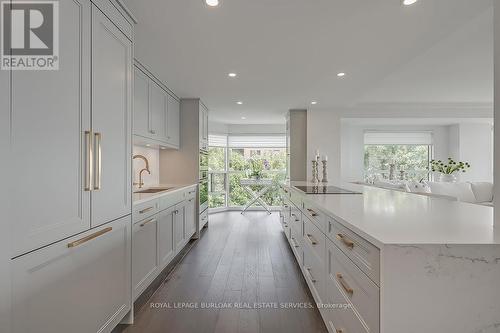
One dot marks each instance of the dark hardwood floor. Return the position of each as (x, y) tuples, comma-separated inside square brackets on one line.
[(239, 261)]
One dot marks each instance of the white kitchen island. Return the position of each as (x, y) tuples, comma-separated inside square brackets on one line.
[(398, 262)]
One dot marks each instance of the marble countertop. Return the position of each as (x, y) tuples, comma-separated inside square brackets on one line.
[(138, 198), (392, 217)]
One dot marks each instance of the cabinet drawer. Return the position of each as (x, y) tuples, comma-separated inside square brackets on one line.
[(79, 285), (314, 238), (355, 286), (203, 218), (315, 215), (296, 245), (365, 255), (145, 210), (144, 253), (171, 199), (286, 228), (296, 198), (296, 221), (343, 319), (190, 193), (314, 273), (285, 210)]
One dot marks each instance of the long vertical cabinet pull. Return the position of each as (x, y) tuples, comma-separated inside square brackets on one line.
[(88, 161), (97, 161)]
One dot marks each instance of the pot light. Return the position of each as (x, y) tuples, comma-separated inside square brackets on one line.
[(243, 118), (148, 145), (341, 74), (409, 2), (239, 102), (232, 74), (212, 3), (314, 102)]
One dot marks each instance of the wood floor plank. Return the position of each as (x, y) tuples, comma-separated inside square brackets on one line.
[(239, 260)]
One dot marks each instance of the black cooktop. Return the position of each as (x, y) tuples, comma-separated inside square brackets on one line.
[(321, 189)]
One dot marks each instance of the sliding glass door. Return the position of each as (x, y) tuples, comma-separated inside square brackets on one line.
[(241, 158)]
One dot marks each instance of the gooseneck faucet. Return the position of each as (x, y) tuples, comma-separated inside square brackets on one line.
[(141, 183)]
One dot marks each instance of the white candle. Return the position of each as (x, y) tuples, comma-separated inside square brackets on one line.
[(325, 158), (317, 152)]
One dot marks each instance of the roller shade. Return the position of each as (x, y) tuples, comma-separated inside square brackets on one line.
[(217, 140), (398, 138), (260, 141)]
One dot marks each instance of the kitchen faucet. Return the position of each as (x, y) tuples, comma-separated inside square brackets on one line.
[(141, 183)]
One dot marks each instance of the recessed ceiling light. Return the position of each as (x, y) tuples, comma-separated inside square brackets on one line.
[(243, 118), (409, 2), (341, 74), (212, 3), (232, 74), (314, 102), (239, 102), (148, 145), (162, 148)]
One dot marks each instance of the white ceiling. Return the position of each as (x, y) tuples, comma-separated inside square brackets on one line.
[(288, 52)]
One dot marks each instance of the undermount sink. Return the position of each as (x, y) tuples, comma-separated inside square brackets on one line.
[(154, 190)]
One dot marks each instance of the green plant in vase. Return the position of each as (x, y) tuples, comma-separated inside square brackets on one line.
[(448, 171), (256, 168)]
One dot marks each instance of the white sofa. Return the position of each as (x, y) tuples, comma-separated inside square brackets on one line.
[(474, 192)]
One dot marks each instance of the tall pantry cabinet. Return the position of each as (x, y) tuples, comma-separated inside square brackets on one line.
[(71, 204)]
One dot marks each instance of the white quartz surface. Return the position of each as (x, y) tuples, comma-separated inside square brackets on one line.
[(392, 217), (138, 198)]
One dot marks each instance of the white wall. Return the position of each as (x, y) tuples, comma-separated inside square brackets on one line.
[(476, 147), (497, 113), (9, 181), (323, 133), (153, 156), (352, 145)]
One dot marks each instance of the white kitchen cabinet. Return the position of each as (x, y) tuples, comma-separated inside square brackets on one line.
[(142, 121), (50, 114), (166, 246), (158, 104), (111, 119), (173, 121), (203, 127), (190, 217), (78, 285), (157, 110), (144, 253), (179, 226)]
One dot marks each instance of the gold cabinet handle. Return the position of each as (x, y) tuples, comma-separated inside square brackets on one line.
[(145, 210), (310, 275), (312, 212), (89, 237), (148, 221), (347, 242), (344, 284), (88, 161), (311, 239), (97, 161)]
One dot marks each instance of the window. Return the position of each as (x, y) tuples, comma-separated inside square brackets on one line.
[(217, 175), (233, 158), (397, 156)]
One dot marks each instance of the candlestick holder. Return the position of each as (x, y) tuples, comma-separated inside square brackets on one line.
[(325, 172), (315, 167)]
